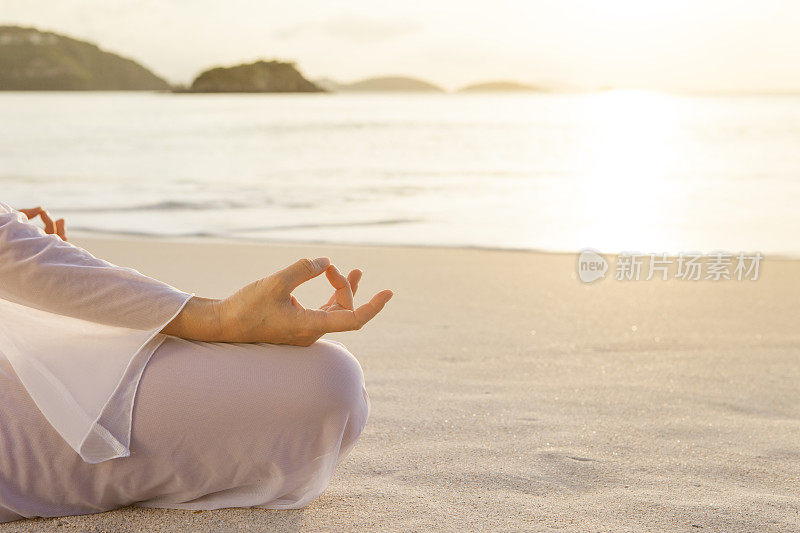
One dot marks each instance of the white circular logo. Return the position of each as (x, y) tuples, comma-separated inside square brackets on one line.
[(591, 266)]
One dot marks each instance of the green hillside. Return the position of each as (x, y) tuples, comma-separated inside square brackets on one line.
[(33, 60), (258, 77)]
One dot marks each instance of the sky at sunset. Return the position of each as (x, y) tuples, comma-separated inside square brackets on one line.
[(749, 46)]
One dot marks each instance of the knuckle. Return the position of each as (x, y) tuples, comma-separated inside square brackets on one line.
[(271, 283), (262, 283), (307, 265)]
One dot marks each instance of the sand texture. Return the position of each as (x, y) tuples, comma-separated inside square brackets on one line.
[(506, 395)]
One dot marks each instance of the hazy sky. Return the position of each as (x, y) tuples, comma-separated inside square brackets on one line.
[(671, 44)]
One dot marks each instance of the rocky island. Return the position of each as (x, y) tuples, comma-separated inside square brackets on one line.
[(259, 77), (390, 84), (498, 87), (33, 60)]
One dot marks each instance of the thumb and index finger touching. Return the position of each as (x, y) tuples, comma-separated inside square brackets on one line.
[(330, 321), (51, 227)]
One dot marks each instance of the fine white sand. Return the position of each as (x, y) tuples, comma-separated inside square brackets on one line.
[(507, 395)]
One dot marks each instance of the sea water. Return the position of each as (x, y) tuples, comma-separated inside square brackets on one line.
[(614, 171)]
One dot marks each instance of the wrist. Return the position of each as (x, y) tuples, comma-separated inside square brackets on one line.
[(199, 320)]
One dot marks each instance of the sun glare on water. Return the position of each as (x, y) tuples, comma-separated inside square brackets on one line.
[(629, 147)]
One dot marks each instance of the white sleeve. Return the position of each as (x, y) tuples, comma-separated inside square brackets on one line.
[(78, 332)]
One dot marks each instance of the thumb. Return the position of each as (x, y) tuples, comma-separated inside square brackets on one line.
[(302, 271)]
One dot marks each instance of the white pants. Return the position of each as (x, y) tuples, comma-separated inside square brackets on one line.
[(214, 425)]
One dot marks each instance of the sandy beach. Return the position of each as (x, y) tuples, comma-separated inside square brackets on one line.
[(506, 395)]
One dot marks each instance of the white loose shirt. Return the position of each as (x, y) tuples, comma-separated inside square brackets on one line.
[(78, 332)]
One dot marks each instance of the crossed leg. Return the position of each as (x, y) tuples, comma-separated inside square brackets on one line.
[(214, 425)]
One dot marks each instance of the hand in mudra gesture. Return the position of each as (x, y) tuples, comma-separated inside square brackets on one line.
[(267, 311), (51, 227)]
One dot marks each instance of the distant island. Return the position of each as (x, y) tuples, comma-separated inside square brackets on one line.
[(259, 77), (388, 84), (33, 60), (498, 87)]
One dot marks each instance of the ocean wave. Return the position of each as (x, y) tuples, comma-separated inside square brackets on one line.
[(228, 233), (166, 205), (285, 227), (146, 233)]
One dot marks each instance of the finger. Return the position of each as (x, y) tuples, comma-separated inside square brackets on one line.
[(30, 213), (354, 277), (49, 225), (367, 312), (346, 320), (343, 294), (302, 271), (333, 298), (61, 229)]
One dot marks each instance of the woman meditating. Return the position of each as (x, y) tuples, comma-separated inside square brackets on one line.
[(118, 389)]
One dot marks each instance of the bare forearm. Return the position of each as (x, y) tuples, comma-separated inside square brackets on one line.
[(199, 320)]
